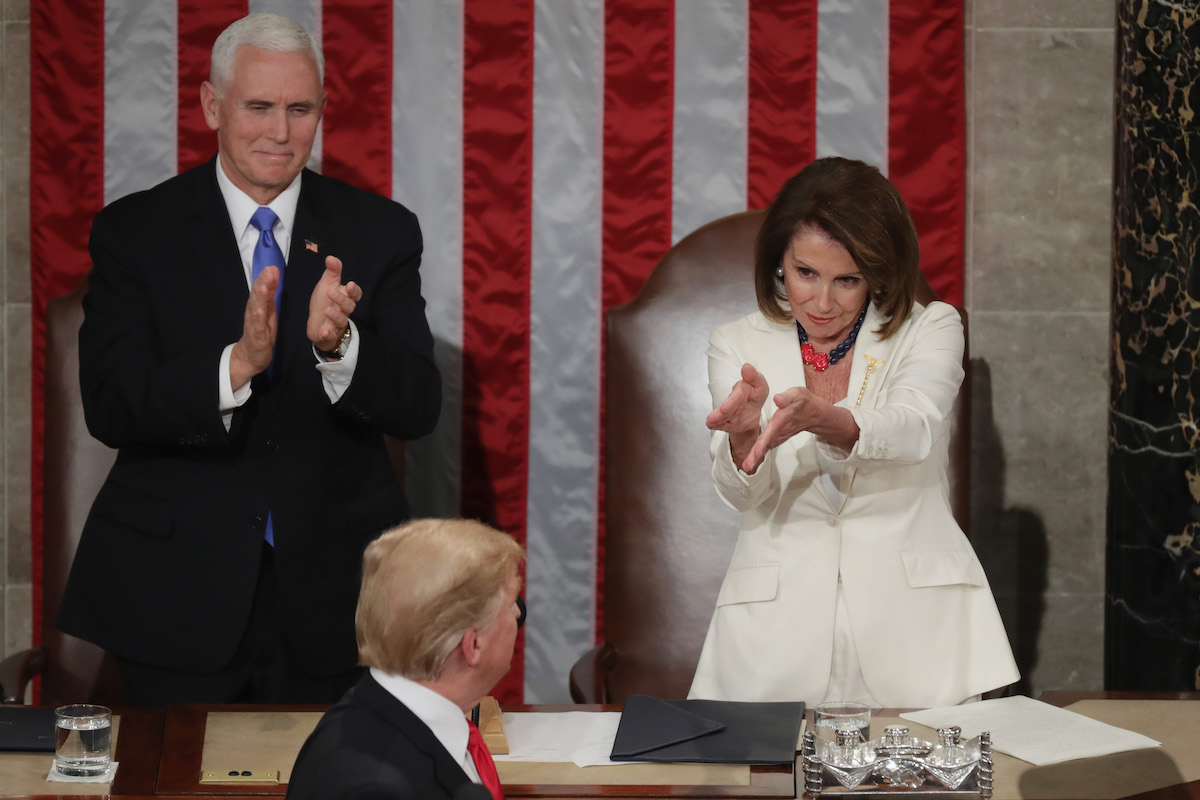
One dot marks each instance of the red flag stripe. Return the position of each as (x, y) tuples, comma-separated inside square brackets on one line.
[(200, 22), (497, 202), (635, 228), (357, 129), (781, 134), (639, 86), (927, 133)]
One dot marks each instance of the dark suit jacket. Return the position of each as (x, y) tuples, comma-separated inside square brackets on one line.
[(168, 560), (370, 745)]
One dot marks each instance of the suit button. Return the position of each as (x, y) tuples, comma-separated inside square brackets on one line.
[(258, 523), (832, 521)]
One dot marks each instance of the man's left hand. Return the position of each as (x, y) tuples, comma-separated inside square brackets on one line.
[(330, 306)]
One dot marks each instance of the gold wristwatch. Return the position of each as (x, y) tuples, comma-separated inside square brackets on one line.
[(338, 352)]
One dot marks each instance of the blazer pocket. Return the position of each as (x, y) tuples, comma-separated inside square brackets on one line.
[(129, 508), (942, 568), (755, 584)]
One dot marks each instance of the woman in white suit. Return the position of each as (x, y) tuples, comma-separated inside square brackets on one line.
[(850, 579)]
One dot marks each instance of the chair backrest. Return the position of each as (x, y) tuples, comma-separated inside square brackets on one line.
[(668, 538), (75, 466)]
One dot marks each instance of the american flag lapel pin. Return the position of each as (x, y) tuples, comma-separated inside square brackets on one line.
[(310, 245)]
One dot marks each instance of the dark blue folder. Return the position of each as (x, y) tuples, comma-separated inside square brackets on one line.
[(27, 728), (707, 731)]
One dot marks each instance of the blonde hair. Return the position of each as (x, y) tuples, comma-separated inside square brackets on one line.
[(425, 584)]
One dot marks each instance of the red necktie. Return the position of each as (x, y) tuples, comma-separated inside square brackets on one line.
[(483, 762)]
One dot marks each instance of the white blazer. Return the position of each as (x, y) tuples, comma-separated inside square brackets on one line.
[(924, 620)]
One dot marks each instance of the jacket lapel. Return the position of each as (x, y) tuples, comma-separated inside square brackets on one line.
[(871, 355), (784, 361), (214, 250), (311, 242)]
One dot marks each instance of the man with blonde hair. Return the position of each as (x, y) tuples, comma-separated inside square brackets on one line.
[(437, 620)]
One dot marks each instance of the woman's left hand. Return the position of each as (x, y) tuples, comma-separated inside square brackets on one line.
[(800, 410)]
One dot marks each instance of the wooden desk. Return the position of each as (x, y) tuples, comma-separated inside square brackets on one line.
[(1153, 763), (184, 756), (161, 756), (139, 738)]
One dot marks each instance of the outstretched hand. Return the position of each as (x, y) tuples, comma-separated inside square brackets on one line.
[(797, 410), (741, 410), (330, 306), (739, 415)]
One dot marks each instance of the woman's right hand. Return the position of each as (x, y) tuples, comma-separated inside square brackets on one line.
[(740, 414)]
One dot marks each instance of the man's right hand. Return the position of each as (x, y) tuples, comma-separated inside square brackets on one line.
[(253, 352)]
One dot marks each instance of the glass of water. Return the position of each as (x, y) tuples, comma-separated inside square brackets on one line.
[(842, 716), (82, 740)]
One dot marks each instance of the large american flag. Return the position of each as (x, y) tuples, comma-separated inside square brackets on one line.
[(553, 151)]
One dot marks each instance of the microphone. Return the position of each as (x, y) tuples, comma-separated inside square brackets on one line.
[(472, 791)]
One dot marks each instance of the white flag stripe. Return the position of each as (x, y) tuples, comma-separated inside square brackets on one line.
[(306, 12), (427, 178), (709, 152), (140, 95), (852, 80), (565, 325)]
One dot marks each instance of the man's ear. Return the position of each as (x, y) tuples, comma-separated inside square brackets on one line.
[(208, 104), (472, 647)]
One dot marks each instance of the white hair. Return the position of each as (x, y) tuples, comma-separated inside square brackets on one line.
[(267, 31)]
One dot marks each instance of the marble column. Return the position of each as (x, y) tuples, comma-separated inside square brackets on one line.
[(1152, 635)]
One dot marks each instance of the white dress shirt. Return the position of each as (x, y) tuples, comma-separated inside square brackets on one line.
[(443, 717), (336, 375)]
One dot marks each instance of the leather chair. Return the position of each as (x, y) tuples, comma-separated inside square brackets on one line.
[(75, 464), (668, 537)]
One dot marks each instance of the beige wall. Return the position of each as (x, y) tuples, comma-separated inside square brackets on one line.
[(1039, 106), (15, 621), (1039, 101)]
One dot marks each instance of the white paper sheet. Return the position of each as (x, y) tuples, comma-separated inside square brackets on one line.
[(583, 737), (1034, 731)]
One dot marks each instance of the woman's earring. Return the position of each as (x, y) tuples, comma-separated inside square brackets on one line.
[(779, 272)]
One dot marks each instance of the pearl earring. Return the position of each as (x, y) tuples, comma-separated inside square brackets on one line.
[(779, 272)]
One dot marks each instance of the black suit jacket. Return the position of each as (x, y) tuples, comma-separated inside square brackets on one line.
[(370, 745), (168, 559)]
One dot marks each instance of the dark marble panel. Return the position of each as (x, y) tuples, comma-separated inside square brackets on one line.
[(1153, 591)]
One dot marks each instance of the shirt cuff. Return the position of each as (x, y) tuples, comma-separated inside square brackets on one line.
[(337, 375), (229, 400)]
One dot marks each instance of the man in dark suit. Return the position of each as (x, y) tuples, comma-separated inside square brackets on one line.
[(252, 330), (437, 620)]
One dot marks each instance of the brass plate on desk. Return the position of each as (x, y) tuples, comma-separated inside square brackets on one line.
[(240, 775), (491, 725)]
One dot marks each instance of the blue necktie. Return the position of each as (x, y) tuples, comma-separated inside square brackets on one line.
[(267, 254)]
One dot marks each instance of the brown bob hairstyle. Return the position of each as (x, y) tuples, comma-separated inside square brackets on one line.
[(425, 584), (856, 206)]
